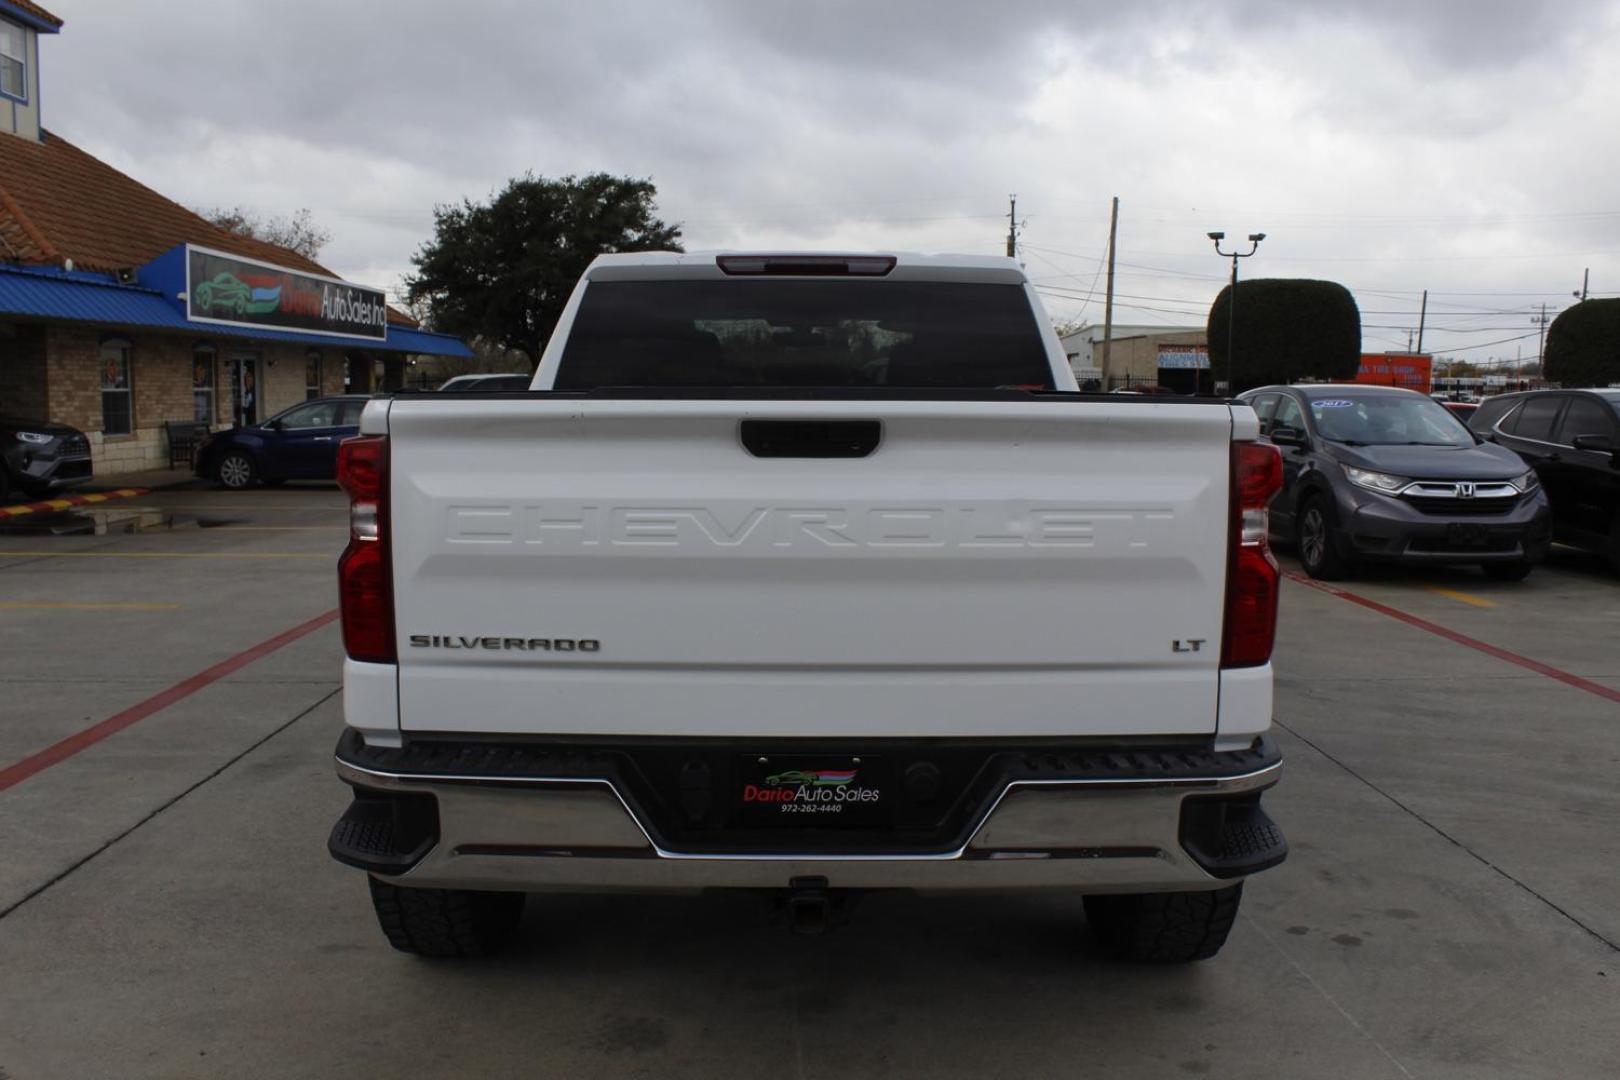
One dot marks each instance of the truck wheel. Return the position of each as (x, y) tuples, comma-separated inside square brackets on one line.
[(1164, 928), (1318, 547), (1508, 571), (445, 922)]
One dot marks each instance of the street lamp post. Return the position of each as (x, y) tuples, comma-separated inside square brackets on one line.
[(1231, 301)]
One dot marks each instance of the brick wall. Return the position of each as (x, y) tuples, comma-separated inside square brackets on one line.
[(66, 373), (161, 388), (282, 378), (161, 379), (73, 376), (22, 372)]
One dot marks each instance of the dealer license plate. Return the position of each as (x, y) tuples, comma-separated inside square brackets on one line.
[(817, 791)]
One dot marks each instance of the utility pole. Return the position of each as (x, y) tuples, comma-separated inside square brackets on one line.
[(1108, 304), (1423, 314), (1541, 343), (1409, 333), (1012, 226), (1586, 279)]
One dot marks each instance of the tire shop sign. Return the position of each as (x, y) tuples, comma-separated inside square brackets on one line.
[(229, 289)]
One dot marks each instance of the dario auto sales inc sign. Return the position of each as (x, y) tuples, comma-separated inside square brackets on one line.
[(224, 288)]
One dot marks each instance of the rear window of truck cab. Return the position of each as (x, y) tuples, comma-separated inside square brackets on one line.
[(844, 333)]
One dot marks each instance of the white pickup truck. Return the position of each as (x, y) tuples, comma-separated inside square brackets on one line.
[(811, 574)]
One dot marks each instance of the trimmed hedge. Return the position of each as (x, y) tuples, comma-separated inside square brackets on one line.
[(1583, 344), (1287, 328)]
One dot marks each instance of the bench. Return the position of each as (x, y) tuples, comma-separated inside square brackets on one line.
[(183, 436)]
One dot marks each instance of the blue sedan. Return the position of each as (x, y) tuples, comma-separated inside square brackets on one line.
[(299, 443)]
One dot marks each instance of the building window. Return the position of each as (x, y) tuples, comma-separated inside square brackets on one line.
[(13, 60), (202, 384), (117, 417), (312, 375)]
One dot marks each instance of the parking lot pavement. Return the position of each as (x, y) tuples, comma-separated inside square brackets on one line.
[(94, 626), (169, 908)]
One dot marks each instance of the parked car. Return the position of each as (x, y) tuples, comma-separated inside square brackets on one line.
[(299, 443), (37, 457), (1379, 473), (509, 381), (1572, 440)]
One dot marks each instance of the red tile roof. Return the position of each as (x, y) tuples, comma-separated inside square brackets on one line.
[(58, 203), (30, 8)]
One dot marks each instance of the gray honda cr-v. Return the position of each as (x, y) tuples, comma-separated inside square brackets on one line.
[(1377, 473)]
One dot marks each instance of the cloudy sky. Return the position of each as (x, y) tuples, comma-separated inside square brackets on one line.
[(1463, 146)]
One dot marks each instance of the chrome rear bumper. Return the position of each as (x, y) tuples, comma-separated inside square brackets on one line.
[(1097, 834)]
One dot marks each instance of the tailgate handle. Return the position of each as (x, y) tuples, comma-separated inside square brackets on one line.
[(811, 438)]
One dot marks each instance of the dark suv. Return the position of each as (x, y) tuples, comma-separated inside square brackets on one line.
[(37, 458), (1572, 440), (1377, 473)]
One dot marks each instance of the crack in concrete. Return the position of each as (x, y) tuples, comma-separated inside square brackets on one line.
[(322, 700), (1329, 998), (1447, 836)]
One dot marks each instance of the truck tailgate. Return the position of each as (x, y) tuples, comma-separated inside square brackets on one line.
[(1044, 568)]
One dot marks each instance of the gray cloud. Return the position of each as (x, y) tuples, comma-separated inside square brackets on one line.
[(1389, 144)]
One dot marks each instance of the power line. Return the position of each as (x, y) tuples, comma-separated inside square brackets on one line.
[(1091, 291)]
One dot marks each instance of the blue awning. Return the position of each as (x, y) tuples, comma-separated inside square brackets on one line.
[(92, 298)]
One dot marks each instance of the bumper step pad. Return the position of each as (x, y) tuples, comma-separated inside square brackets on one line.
[(385, 835), (1231, 838)]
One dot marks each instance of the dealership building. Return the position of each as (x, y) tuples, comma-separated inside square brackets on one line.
[(122, 311)]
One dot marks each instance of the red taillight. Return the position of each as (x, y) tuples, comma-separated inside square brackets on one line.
[(365, 587), (1252, 576)]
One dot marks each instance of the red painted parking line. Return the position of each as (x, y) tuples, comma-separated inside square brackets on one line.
[(60, 752), (1461, 639), (49, 506)]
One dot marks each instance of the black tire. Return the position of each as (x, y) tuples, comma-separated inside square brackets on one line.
[(7, 488), (1508, 571), (1316, 537), (445, 922), (236, 471), (1164, 928)]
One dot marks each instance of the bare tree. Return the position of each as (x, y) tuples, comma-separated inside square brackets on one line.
[(297, 233)]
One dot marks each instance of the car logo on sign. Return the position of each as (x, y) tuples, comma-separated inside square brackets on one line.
[(817, 777)]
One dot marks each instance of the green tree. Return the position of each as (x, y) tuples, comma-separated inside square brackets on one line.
[(1583, 344), (500, 272), (1287, 328)]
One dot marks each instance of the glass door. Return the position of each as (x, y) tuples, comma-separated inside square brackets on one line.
[(244, 376)]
